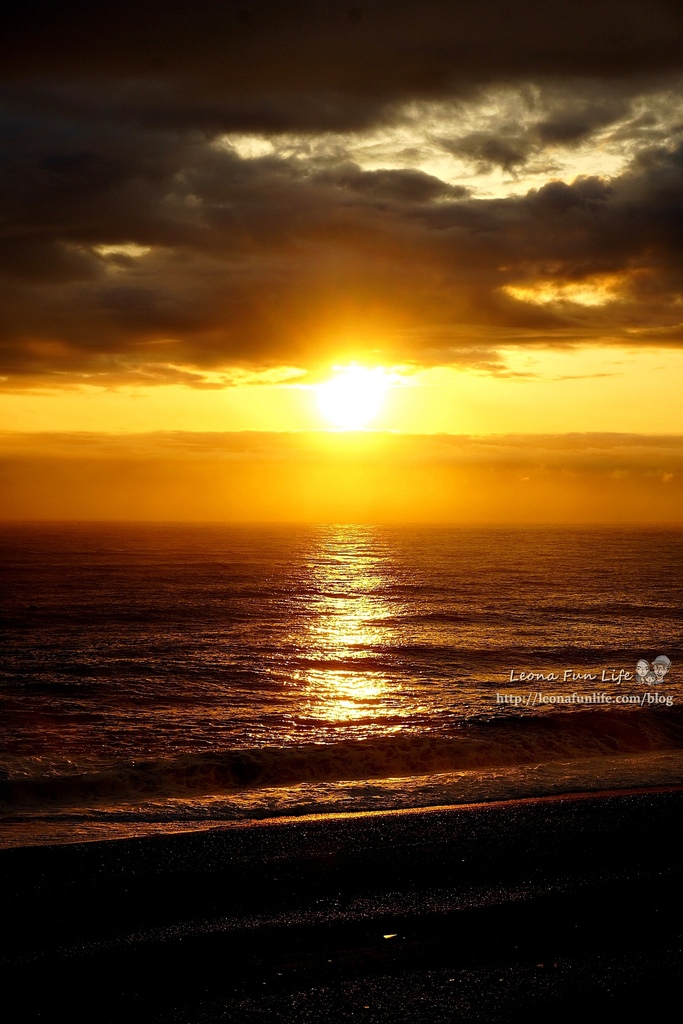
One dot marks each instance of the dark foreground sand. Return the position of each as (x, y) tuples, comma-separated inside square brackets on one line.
[(551, 909)]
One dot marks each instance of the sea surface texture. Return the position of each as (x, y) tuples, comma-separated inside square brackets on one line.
[(163, 677)]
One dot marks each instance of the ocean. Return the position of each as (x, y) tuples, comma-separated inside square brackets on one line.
[(164, 677)]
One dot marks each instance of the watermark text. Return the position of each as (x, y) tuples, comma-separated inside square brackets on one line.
[(536, 698)]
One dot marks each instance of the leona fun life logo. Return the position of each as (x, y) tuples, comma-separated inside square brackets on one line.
[(646, 686), (645, 674)]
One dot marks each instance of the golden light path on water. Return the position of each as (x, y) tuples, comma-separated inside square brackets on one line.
[(349, 629)]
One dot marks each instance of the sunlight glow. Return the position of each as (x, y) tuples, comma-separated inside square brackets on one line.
[(354, 397), (597, 291), (131, 249)]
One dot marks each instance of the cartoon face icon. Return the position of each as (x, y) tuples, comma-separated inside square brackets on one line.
[(642, 669), (660, 666), (650, 678)]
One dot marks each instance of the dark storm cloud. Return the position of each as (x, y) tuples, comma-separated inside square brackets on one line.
[(381, 49), (252, 260), (134, 245)]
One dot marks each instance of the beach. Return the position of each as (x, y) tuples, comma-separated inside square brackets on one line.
[(502, 911)]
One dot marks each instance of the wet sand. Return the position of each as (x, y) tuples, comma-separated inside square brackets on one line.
[(523, 910)]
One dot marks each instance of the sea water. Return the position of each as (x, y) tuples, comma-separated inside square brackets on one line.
[(162, 677)]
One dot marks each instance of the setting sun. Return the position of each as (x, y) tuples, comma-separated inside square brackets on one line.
[(353, 398)]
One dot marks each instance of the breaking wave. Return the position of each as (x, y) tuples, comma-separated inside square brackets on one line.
[(480, 745)]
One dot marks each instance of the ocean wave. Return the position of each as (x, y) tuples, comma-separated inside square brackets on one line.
[(480, 745)]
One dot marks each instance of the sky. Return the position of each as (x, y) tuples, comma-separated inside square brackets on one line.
[(211, 209)]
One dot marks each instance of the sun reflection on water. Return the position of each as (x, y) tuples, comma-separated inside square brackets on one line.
[(341, 696), (348, 633)]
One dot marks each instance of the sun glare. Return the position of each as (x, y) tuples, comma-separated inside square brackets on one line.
[(353, 397)]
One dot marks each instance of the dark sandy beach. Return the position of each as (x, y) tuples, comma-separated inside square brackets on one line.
[(525, 910)]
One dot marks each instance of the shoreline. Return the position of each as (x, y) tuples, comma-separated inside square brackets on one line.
[(470, 806), (140, 831), (254, 918)]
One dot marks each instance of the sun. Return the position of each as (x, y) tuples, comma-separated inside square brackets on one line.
[(353, 397)]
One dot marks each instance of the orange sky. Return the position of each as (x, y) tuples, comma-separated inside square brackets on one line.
[(343, 477), (595, 440), (203, 226), (539, 391)]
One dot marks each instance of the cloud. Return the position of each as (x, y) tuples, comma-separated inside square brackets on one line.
[(604, 453), (544, 121), (139, 242), (392, 184), (575, 121), (258, 260), (316, 477), (390, 49), (493, 149)]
